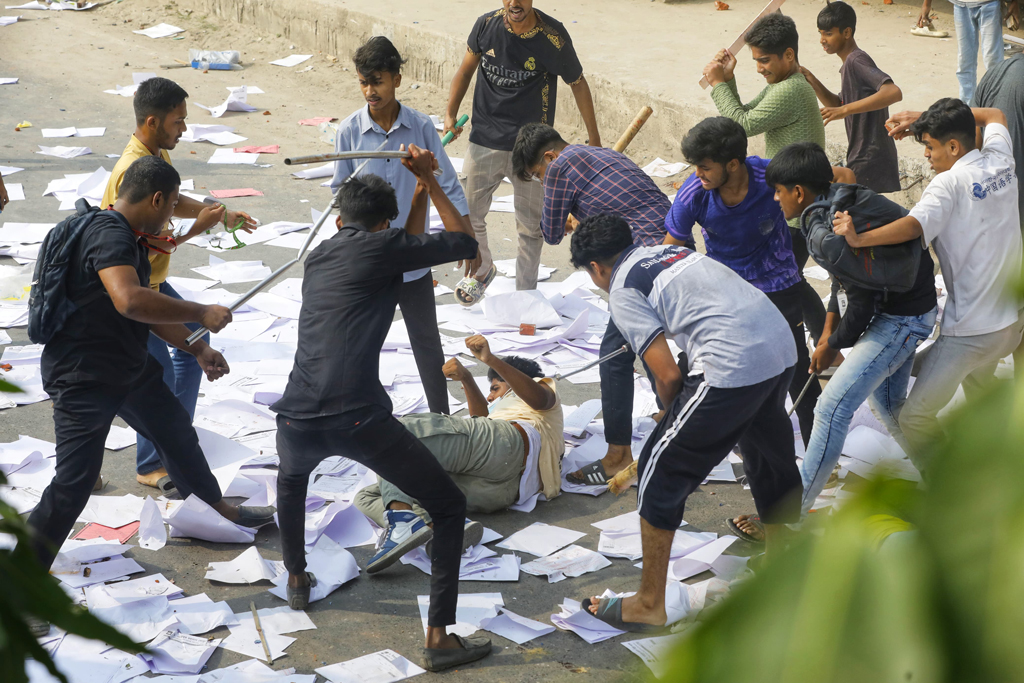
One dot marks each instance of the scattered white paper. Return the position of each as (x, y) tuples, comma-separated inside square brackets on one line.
[(233, 272), (173, 652), (64, 152), (292, 60), (656, 652), (160, 31), (248, 567), (195, 519), (225, 155), (120, 437), (659, 168), (234, 102), (471, 610), (332, 566), (518, 629), (569, 562), (152, 534), (541, 539), (386, 666)]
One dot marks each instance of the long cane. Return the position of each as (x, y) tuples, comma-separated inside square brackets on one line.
[(591, 364), (803, 391)]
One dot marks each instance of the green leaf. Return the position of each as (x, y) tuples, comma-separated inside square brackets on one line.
[(8, 388)]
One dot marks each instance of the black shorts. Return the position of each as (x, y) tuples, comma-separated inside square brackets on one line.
[(698, 431)]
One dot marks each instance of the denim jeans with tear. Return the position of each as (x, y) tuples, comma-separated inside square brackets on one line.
[(876, 369), (977, 25)]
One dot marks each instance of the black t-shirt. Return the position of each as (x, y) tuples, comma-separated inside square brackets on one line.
[(97, 343), (871, 153), (517, 81)]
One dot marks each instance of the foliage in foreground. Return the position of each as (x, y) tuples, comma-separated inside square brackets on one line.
[(940, 604)]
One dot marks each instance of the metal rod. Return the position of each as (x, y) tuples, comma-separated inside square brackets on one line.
[(803, 391), (591, 364), (259, 631), (354, 154)]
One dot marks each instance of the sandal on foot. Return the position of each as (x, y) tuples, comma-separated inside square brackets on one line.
[(593, 474), (439, 659), (298, 598), (609, 610), (165, 485), (753, 540), (471, 289)]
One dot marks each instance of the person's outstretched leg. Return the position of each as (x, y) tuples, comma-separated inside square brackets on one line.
[(529, 205), (300, 451)]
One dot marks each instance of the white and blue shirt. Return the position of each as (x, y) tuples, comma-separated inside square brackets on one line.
[(729, 329), (360, 132)]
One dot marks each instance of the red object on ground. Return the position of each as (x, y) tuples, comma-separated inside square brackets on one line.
[(527, 329), (119, 534), (253, 149), (316, 120), (227, 194)]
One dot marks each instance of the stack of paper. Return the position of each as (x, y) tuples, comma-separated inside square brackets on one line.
[(386, 666), (569, 562)]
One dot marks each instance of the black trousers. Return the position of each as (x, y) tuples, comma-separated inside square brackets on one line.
[(700, 428), (788, 301), (810, 303), (416, 301), (82, 413), (374, 438), (617, 388)]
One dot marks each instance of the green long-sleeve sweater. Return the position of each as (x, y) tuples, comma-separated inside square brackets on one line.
[(785, 112)]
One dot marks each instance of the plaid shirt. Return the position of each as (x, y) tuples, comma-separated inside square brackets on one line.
[(587, 181)]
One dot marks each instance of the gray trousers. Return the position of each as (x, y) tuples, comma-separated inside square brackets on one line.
[(483, 457), (484, 170), (951, 361)]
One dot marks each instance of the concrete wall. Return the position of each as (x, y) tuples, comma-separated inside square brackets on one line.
[(434, 57)]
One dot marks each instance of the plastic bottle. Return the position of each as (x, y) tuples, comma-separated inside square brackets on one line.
[(217, 60)]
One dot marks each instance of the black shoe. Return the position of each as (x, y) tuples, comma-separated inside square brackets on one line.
[(473, 648), (472, 534), (298, 598), (255, 517)]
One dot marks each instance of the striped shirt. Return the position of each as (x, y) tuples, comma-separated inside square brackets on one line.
[(587, 181), (752, 237), (730, 331)]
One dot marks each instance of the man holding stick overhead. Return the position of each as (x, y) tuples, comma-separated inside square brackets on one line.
[(334, 402), (520, 53)]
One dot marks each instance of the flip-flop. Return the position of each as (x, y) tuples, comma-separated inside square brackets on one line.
[(743, 534), (609, 610), (929, 32), (593, 474), (165, 485), (471, 289)]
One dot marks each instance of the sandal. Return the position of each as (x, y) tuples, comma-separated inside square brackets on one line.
[(593, 474), (609, 610), (165, 485), (471, 289), (929, 31), (298, 598), (753, 540)]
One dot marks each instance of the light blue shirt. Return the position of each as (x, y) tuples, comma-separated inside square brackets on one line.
[(360, 132)]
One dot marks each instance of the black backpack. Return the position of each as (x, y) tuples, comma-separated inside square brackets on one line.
[(49, 305), (890, 268)]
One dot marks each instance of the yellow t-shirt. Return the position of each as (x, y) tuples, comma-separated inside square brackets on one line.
[(552, 443), (159, 263)]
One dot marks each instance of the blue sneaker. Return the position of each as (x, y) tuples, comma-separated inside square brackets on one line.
[(405, 532)]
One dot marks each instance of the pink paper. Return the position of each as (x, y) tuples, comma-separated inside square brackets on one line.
[(316, 120), (226, 194), (253, 149), (119, 534)]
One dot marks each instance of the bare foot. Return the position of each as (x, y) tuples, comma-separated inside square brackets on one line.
[(636, 612), (151, 478), (439, 639), (617, 459), (748, 525)]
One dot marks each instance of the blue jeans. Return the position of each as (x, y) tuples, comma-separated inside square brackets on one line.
[(182, 374), (877, 369), (978, 25)]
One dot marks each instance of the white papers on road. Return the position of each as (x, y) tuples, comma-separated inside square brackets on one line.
[(722, 472), (152, 534), (144, 587), (199, 614), (659, 168), (516, 308), (7, 21), (141, 619), (656, 652), (342, 522), (88, 661), (698, 560), (74, 552), (64, 152), (583, 623), (112, 511), (173, 652), (234, 102), (195, 519), (30, 354), (516, 628), (211, 132), (569, 562), (816, 273), (504, 204), (245, 640), (471, 610), (8, 81), (73, 132), (507, 267), (226, 155), (233, 272), (279, 619), (332, 566), (17, 454), (291, 60), (9, 170), (577, 421), (160, 31), (386, 666), (100, 572), (541, 539), (120, 437), (325, 171), (248, 567)]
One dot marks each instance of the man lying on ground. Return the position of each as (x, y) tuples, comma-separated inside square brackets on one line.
[(505, 460)]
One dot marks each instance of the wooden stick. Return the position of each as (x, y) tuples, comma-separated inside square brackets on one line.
[(633, 129), (623, 480), (740, 41), (259, 631)]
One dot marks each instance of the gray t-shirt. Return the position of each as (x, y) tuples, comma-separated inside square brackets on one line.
[(729, 329), (1003, 88), (871, 153)]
